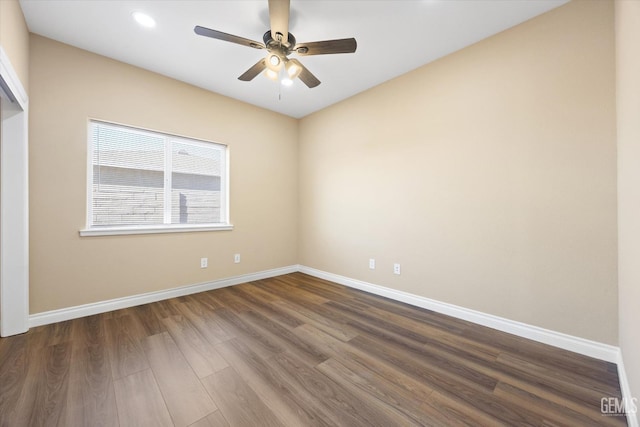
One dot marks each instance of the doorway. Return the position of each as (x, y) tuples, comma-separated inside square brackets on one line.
[(14, 202)]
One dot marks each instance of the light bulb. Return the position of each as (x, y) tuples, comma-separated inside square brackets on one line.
[(274, 60), (287, 81), (273, 75), (293, 68)]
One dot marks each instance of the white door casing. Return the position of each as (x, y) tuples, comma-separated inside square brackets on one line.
[(14, 202)]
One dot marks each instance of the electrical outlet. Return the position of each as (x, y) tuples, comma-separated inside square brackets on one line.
[(372, 264), (204, 262), (396, 268), (236, 258)]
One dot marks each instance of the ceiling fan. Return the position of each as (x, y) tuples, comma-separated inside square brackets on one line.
[(279, 44)]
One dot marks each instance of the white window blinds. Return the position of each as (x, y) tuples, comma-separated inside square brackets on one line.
[(143, 178)]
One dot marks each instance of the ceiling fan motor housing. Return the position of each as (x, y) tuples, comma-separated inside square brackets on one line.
[(284, 47)]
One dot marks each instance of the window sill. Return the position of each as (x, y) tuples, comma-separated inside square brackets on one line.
[(157, 229)]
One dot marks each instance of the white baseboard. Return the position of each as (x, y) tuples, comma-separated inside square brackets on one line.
[(579, 345), (557, 339), (632, 419), (69, 313)]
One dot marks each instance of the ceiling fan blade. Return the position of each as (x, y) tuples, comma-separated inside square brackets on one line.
[(307, 78), (279, 19), (252, 72), (327, 47), (207, 32)]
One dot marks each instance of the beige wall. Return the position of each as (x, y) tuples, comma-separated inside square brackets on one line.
[(628, 112), (14, 38), (490, 175), (69, 86)]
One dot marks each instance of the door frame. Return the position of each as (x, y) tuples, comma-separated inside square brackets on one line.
[(14, 202)]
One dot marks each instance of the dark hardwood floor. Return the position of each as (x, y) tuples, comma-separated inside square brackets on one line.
[(296, 351)]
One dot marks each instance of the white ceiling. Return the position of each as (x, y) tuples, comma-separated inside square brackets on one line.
[(394, 37)]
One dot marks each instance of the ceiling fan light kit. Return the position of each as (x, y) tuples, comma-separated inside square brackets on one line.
[(280, 43), (274, 62), (293, 68), (273, 75)]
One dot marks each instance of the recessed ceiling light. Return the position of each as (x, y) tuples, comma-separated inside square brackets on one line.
[(144, 19)]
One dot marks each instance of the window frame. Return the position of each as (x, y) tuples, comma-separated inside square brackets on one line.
[(91, 230)]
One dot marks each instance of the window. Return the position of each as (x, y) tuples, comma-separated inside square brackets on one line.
[(142, 181)]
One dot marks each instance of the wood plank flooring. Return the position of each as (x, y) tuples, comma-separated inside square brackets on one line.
[(292, 351)]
